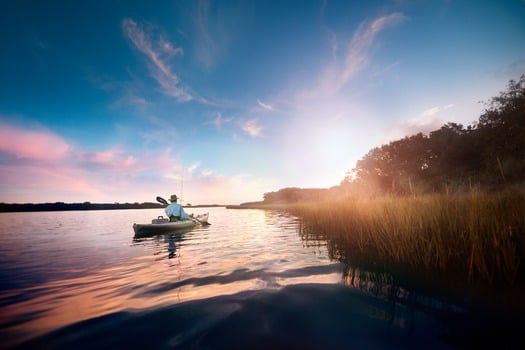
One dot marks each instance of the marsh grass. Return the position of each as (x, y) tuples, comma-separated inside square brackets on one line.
[(474, 237)]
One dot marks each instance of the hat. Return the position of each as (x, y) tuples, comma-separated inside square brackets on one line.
[(173, 198)]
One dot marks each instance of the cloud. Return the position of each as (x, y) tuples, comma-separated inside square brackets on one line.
[(113, 160), (155, 51), (33, 183), (252, 127), (193, 167), (205, 45), (430, 112), (429, 120), (219, 121), (54, 170), (206, 172), (127, 92), (41, 166), (435, 110), (358, 52), (159, 130), (213, 22), (39, 162), (264, 105), (338, 73), (167, 47), (34, 145)]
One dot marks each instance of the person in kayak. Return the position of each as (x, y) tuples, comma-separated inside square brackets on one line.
[(175, 211)]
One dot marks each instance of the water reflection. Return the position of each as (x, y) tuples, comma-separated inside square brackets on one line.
[(172, 247), (162, 243), (467, 311)]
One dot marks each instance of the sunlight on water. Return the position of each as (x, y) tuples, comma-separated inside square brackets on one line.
[(62, 267)]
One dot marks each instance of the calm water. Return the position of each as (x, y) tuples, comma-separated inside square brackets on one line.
[(251, 279)]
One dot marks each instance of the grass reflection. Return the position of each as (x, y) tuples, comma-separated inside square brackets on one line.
[(460, 245), (472, 313)]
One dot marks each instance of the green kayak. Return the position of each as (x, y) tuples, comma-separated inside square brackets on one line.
[(163, 225)]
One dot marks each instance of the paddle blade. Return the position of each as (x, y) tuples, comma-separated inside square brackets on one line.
[(162, 200)]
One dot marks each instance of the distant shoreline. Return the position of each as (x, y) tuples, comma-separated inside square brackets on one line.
[(260, 205), (60, 206)]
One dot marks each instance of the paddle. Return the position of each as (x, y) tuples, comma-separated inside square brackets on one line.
[(162, 201), (165, 202)]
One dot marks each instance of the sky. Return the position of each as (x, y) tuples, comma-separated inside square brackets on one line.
[(220, 102)]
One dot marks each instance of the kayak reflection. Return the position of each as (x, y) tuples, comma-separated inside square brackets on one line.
[(159, 244), (172, 247)]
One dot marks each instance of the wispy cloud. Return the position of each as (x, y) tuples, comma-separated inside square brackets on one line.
[(205, 45), (430, 112), (252, 127), (429, 120), (193, 167), (206, 172), (157, 51), (115, 160), (435, 110), (358, 51), (213, 23), (129, 99), (265, 105), (337, 74), (219, 121), (127, 92), (39, 145)]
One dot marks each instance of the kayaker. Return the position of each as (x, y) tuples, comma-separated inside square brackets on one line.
[(175, 211)]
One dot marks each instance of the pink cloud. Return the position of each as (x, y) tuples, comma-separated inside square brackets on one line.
[(35, 145), (33, 183), (113, 160), (252, 128), (55, 171)]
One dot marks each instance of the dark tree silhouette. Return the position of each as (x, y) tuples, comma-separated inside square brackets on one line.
[(488, 153)]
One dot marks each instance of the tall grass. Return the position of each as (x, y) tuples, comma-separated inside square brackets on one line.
[(477, 237)]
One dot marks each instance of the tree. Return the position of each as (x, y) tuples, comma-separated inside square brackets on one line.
[(397, 167), (455, 156), (489, 152)]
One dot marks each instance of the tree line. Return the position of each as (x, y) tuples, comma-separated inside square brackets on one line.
[(61, 206), (487, 155)]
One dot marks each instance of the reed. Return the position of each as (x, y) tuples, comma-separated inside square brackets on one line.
[(477, 237)]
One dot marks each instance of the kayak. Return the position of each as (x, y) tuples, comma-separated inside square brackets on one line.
[(163, 225)]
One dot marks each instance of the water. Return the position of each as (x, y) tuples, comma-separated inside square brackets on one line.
[(249, 280)]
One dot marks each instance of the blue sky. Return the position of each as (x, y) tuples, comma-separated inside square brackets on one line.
[(122, 101)]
